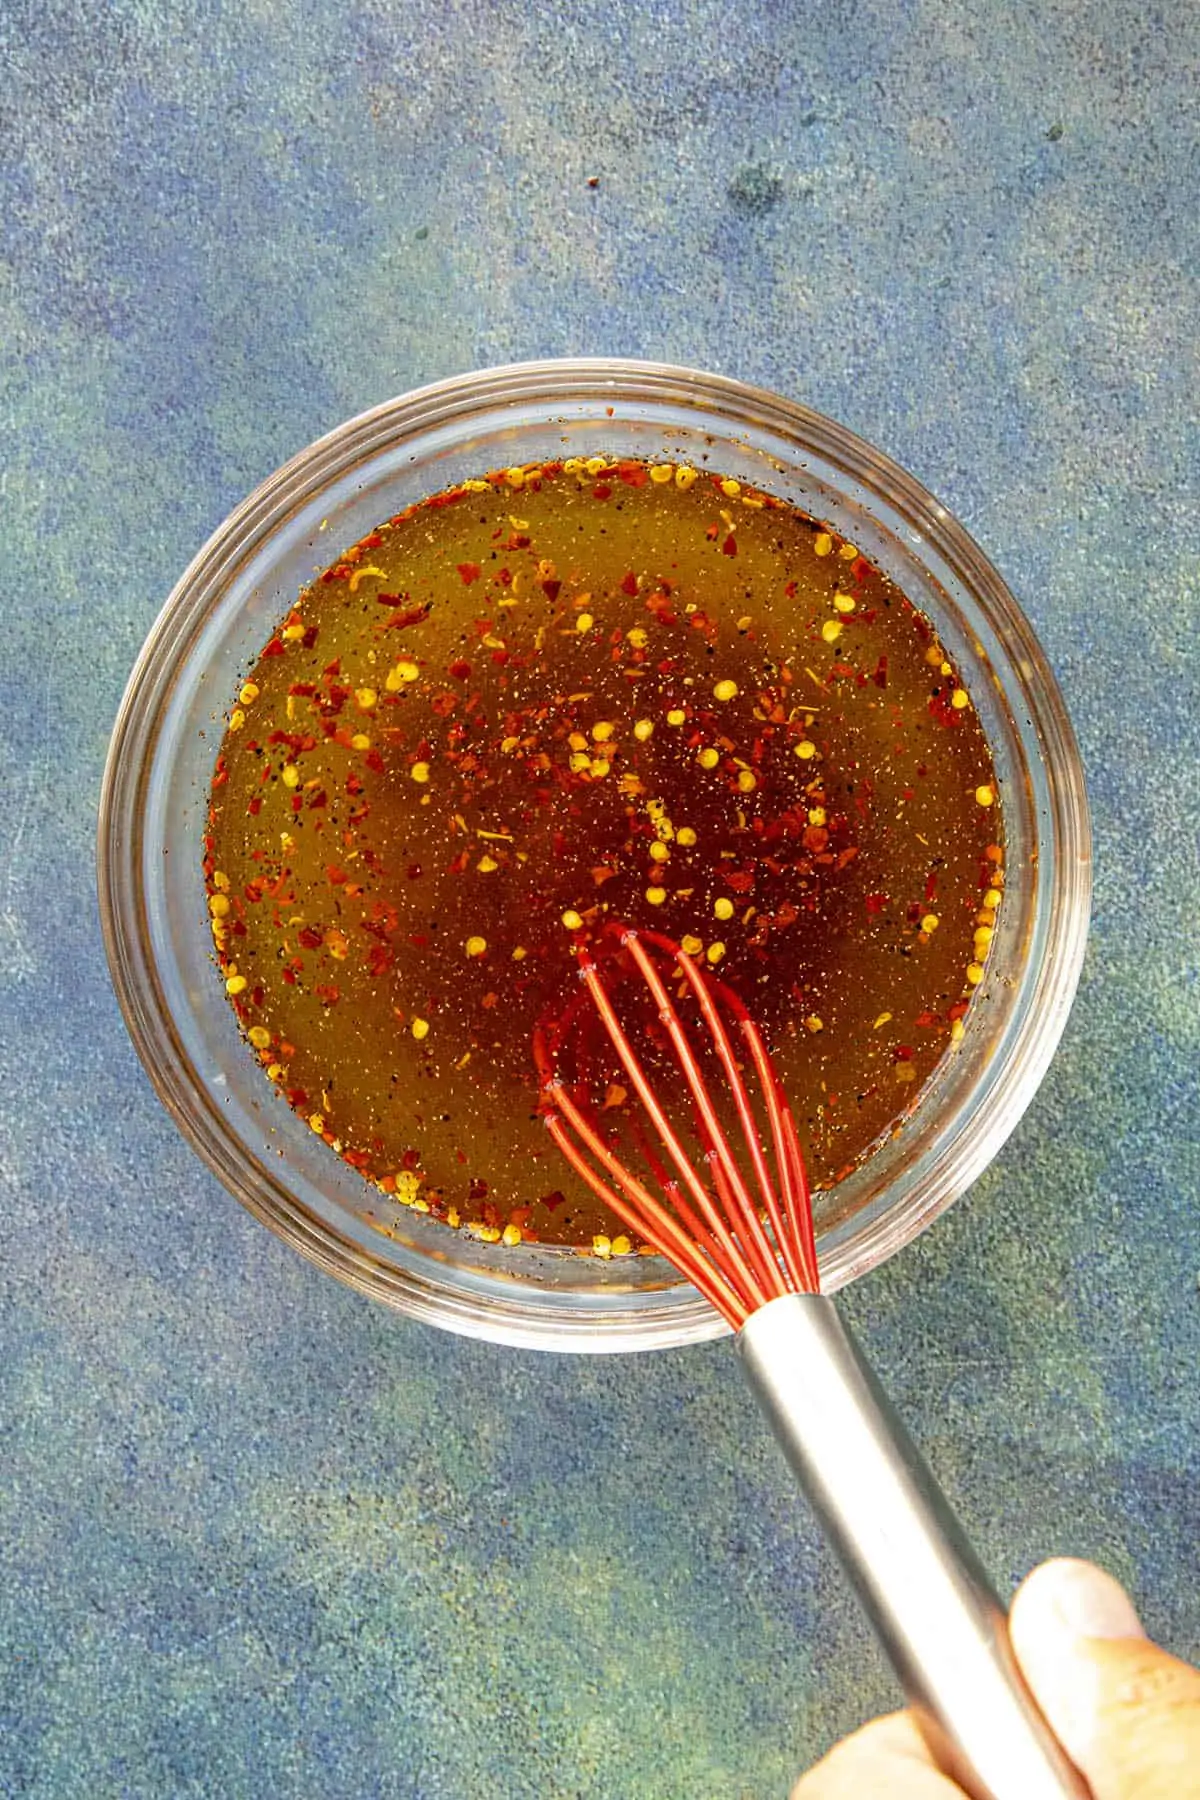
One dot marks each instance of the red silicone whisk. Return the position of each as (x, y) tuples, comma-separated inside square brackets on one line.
[(708, 1170)]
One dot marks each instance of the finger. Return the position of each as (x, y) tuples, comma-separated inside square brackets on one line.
[(886, 1760), (1124, 1710)]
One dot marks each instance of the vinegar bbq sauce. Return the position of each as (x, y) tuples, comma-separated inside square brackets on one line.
[(573, 693)]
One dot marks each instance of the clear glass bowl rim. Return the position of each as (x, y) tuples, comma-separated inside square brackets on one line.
[(682, 1316)]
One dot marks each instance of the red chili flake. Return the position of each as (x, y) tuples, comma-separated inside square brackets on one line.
[(297, 1097), (930, 886), (375, 762), (945, 714), (458, 865), (815, 837), (478, 1189), (297, 803), (310, 938), (383, 921), (221, 776), (729, 547), (412, 616), (436, 501), (335, 875), (288, 975), (411, 1159), (957, 1010), (601, 491), (274, 648), (554, 1200), (311, 634), (319, 799), (469, 571), (634, 475), (370, 543), (902, 1053), (913, 912), (379, 959), (303, 689), (860, 568), (712, 532), (327, 993), (790, 590), (414, 871), (925, 1020), (881, 672), (460, 669), (629, 584), (876, 903), (551, 590), (254, 806)]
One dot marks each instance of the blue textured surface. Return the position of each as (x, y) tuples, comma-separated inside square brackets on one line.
[(259, 1537)]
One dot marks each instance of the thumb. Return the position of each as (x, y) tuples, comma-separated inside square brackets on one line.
[(1126, 1712)]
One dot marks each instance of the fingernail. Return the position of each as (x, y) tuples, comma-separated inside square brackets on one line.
[(1061, 1604), (1080, 1601)]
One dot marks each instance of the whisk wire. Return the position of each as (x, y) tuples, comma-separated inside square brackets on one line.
[(712, 1225), (646, 1217), (672, 1191), (666, 1131), (739, 1206), (769, 1260), (799, 1210)]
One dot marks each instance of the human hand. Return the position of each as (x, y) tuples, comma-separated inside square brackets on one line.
[(1126, 1712)]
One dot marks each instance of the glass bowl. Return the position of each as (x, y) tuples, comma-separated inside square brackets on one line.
[(155, 798)]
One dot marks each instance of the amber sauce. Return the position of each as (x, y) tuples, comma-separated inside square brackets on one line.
[(568, 695)]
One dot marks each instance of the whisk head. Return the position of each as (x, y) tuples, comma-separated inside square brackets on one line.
[(717, 1183)]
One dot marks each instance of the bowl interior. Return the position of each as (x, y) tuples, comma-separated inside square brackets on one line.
[(160, 767)]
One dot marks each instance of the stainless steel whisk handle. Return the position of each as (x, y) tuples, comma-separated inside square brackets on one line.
[(931, 1604)]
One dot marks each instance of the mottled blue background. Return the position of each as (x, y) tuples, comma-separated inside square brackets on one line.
[(259, 1537)]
